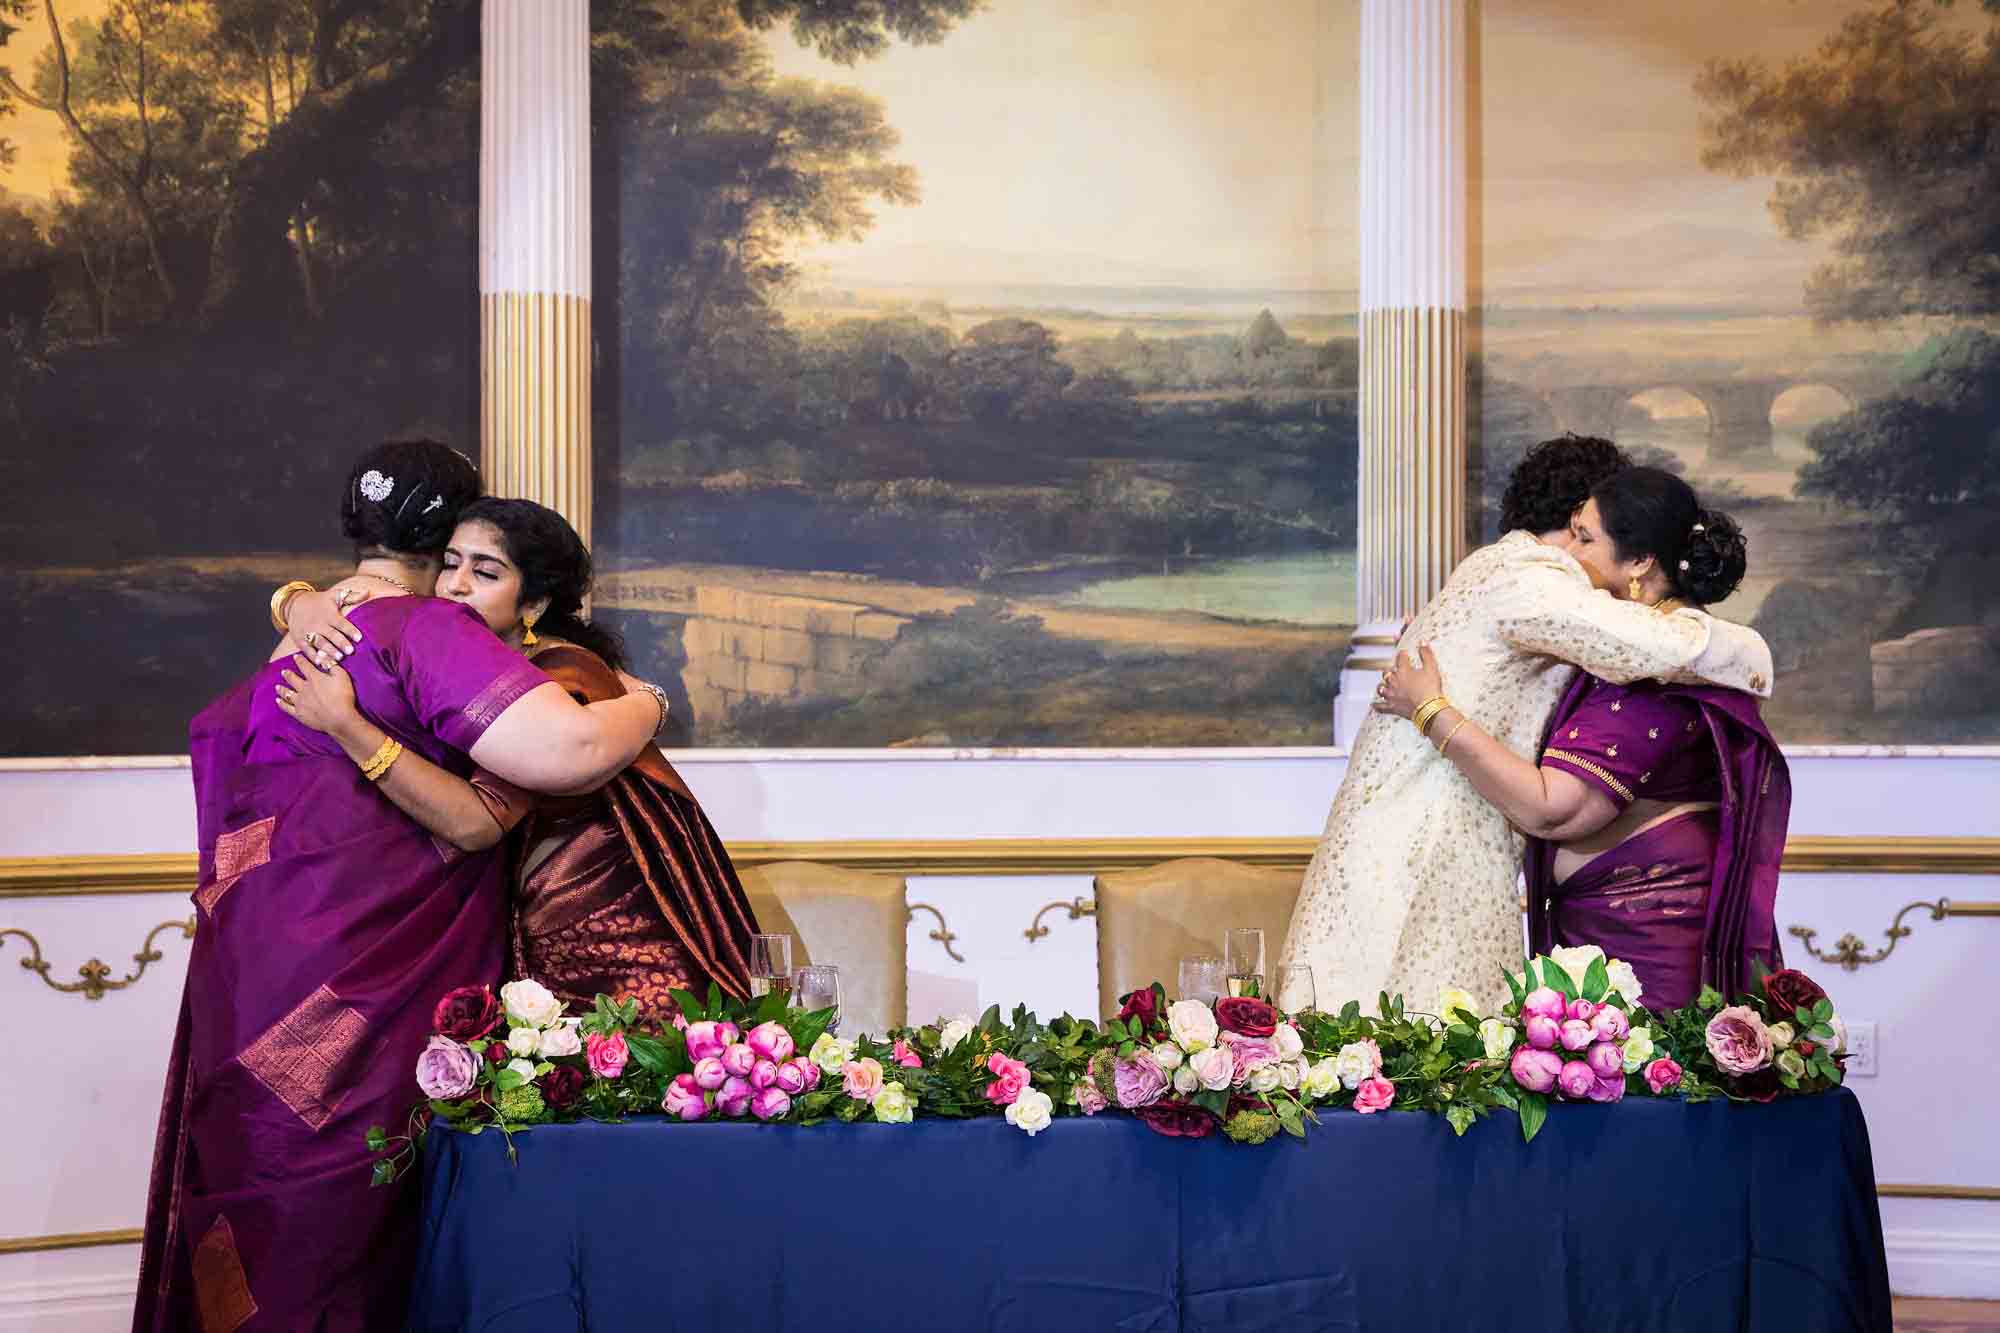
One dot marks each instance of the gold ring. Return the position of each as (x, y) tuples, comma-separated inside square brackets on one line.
[(312, 638)]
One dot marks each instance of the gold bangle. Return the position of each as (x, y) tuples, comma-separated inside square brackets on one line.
[(1452, 735), (1427, 711), (282, 598), (378, 763)]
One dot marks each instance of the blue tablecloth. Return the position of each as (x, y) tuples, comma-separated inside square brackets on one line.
[(1645, 1215)]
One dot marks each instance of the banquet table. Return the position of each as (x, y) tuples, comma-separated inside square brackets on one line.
[(1650, 1214)]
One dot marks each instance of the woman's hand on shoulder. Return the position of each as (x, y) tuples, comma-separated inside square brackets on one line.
[(318, 626), (321, 698)]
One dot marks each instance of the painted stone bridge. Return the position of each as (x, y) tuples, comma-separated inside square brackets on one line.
[(1739, 409)]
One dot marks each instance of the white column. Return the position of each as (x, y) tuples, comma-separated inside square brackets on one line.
[(534, 253), (1411, 527)]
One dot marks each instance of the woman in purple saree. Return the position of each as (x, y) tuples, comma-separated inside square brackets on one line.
[(1656, 815), (329, 923)]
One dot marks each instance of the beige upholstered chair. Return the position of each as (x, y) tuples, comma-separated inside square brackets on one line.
[(1148, 920), (853, 919)]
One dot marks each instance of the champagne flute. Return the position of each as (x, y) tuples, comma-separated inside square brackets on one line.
[(770, 964), (1244, 948), (817, 986), (1293, 989), (1201, 978)]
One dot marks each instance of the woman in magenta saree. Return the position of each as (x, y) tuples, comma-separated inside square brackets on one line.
[(328, 925), (1656, 814)]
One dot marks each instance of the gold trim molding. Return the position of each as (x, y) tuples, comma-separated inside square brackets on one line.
[(175, 872), (1851, 951), (95, 976)]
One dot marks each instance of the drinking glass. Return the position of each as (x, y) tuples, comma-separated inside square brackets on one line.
[(770, 964), (1245, 951), (1201, 978), (1293, 990), (817, 986)]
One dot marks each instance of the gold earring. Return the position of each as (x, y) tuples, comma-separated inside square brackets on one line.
[(529, 640), (1632, 590)]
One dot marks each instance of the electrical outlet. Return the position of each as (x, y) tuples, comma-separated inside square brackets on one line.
[(1861, 1050)]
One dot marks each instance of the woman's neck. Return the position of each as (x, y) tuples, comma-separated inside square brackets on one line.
[(399, 574)]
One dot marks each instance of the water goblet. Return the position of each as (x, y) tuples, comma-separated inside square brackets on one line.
[(770, 964), (817, 986), (1244, 949), (1293, 989), (1201, 978)]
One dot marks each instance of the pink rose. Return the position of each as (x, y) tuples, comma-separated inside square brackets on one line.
[(1374, 1094), (606, 1056), (906, 1055), (1576, 1079), (792, 1078), (1009, 1078), (1663, 1076), (1610, 1024), (685, 1098), (709, 1073), (770, 1104), (1089, 1098), (1606, 1060), (680, 1021), (1609, 1088), (1253, 1053), (733, 1098), (1583, 1010), (446, 1069), (1547, 1002), (771, 1042), (739, 1060), (709, 1037), (1534, 1069), (763, 1074), (1576, 1034), (1138, 1081), (813, 1072), (1738, 1040), (1543, 1032), (862, 1078)]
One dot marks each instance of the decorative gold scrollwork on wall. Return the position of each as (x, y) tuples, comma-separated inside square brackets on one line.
[(1077, 908), (96, 974), (1851, 951), (943, 934)]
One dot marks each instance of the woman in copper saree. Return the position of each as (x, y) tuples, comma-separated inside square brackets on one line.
[(329, 923)]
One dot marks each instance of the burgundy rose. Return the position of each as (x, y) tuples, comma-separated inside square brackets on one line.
[(1251, 1018), (562, 1086), (497, 1053), (1761, 1086), (466, 1014), (1143, 1005), (1789, 989), (1177, 1119)]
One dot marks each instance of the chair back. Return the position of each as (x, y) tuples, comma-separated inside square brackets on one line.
[(1150, 919), (855, 919)]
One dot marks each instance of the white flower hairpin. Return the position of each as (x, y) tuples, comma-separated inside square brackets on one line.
[(376, 486)]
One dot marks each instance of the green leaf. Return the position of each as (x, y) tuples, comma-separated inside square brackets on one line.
[(648, 1052), (989, 1022), (1125, 1050), (1292, 1126), (1214, 1102), (378, 1138), (1382, 1005), (1596, 981), (1710, 998), (1460, 1117), (1556, 979), (508, 1079), (1350, 1012), (1823, 1010), (1533, 1110), (1504, 1095), (384, 1174), (691, 1008), (1514, 985)]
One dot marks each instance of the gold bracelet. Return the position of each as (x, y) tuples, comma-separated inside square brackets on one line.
[(282, 598), (1427, 711), (378, 763), (1452, 735)]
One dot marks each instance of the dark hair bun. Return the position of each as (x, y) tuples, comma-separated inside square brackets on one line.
[(405, 496), (1716, 558)]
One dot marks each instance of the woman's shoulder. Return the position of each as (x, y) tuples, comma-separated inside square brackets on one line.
[(404, 614)]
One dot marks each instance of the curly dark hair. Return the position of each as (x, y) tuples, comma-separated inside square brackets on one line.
[(555, 564), (1554, 478), (1703, 552), (404, 497)]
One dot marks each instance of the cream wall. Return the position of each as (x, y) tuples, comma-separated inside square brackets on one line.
[(83, 1076)]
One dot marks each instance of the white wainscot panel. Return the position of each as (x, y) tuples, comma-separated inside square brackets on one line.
[(69, 1291), (990, 916)]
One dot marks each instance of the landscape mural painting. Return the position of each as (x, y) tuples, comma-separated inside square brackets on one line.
[(1758, 243), (990, 388)]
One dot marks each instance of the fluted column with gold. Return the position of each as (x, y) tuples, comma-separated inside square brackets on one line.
[(534, 253), (1411, 523)]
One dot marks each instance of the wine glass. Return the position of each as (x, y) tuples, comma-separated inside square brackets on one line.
[(770, 964), (1201, 978), (1244, 948), (1293, 989), (817, 986)]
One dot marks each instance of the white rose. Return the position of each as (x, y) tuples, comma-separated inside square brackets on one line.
[(894, 1107), (1288, 1042), (1192, 1024), (529, 1004), (1265, 1078), (1576, 959), (525, 1068), (1782, 1035), (1167, 1056), (1839, 1034), (1356, 1061), (1638, 1049), (1498, 1037), (952, 1033), (524, 1041), (1215, 1066), (1030, 1111), (1451, 997), (830, 1053), (1320, 1079), (561, 1039), (1290, 1074), (1624, 980), (1185, 1080)]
